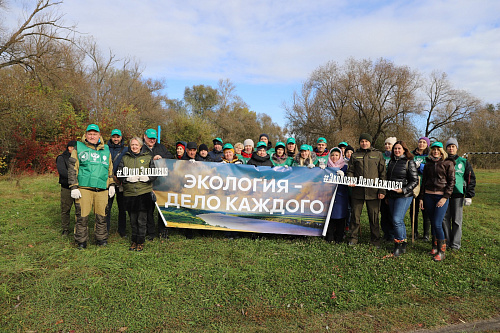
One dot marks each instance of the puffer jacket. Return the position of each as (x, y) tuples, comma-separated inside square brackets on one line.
[(438, 176), (370, 164), (405, 171), (259, 160)]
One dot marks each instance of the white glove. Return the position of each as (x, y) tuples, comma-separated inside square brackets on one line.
[(286, 166), (76, 194), (144, 178), (468, 202), (192, 160), (340, 173), (133, 179), (310, 166), (111, 191), (322, 166)]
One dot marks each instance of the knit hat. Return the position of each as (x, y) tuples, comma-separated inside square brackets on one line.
[(248, 142), (181, 143), (263, 134), (71, 143), (290, 140), (203, 147), (452, 141), (348, 148), (365, 136), (392, 140), (426, 140), (191, 145)]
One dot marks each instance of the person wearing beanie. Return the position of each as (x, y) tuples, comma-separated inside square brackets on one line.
[(438, 182), (265, 138), (248, 148), (117, 149), (291, 148), (180, 149), (420, 153), (260, 157), (369, 163), (203, 153), (216, 153), (62, 163), (385, 215), (463, 192), (347, 151)]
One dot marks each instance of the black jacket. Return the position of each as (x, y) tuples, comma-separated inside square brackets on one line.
[(259, 160), (62, 163), (215, 155), (405, 171), (159, 149)]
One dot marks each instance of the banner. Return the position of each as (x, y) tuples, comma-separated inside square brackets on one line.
[(228, 197)]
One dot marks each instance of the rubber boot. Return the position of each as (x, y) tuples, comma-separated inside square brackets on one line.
[(441, 250), (434, 250), (403, 246), (398, 248)]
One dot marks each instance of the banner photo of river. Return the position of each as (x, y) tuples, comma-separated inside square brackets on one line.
[(229, 197)]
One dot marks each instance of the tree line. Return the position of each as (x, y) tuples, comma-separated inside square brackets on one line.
[(54, 81)]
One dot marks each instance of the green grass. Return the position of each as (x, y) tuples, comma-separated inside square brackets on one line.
[(210, 283)]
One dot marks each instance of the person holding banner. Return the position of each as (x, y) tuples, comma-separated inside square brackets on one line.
[(203, 153), (229, 155), (385, 215), (366, 162), (216, 154), (280, 158), (90, 178), (402, 169), (438, 181), (340, 211), (291, 148), (305, 157), (180, 149), (158, 151), (463, 192), (260, 157), (137, 190), (247, 152)]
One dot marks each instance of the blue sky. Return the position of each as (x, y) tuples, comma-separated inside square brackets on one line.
[(268, 48)]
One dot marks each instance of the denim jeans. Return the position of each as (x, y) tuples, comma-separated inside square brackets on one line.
[(398, 208), (435, 214)]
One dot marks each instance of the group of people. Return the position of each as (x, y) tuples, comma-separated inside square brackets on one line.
[(439, 183)]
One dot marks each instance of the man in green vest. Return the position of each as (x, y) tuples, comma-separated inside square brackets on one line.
[(90, 175), (464, 191)]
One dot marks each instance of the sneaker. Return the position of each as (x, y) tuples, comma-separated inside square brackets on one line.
[(139, 247), (102, 243), (82, 246), (132, 247)]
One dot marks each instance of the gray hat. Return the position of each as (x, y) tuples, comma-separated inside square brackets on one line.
[(248, 142), (452, 141)]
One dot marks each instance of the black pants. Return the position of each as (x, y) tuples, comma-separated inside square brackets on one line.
[(138, 223), (122, 214), (426, 221), (386, 221), (335, 230)]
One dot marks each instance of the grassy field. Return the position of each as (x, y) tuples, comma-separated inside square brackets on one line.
[(211, 283)]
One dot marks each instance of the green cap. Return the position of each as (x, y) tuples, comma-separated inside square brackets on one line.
[(304, 147), (116, 131), (151, 133), (93, 127), (228, 146), (290, 140), (261, 144), (280, 144), (437, 144), (217, 140), (343, 143), (321, 140)]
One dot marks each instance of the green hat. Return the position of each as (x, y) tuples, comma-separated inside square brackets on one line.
[(280, 144), (116, 131), (321, 140), (93, 127), (261, 144), (228, 146), (437, 144), (290, 140), (217, 140), (304, 147), (365, 136), (151, 133), (343, 143)]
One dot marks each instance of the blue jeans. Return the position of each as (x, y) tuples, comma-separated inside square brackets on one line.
[(398, 208), (435, 214)]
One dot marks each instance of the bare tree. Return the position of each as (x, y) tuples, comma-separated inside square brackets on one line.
[(445, 105), (35, 35)]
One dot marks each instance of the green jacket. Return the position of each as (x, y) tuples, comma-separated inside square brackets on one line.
[(90, 166), (276, 162), (136, 164), (370, 164)]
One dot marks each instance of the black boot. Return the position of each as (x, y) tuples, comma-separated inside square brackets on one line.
[(398, 248), (403, 246)]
